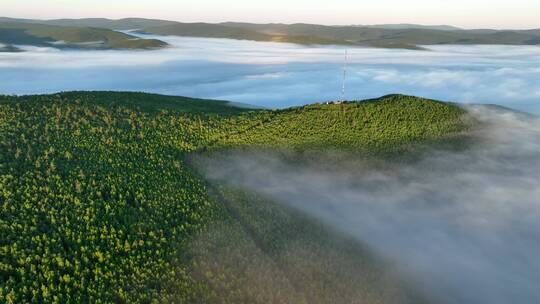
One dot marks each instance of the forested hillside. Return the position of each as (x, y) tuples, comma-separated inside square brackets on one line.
[(14, 33), (100, 204), (405, 36), (387, 124)]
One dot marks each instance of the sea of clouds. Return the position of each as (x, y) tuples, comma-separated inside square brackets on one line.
[(282, 75), (463, 226)]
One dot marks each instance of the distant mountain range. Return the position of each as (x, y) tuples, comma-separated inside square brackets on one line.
[(121, 24), (101, 33), (403, 26)]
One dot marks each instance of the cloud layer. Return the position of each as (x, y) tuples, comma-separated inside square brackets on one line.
[(281, 75), (463, 226)]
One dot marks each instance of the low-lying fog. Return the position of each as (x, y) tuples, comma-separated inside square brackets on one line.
[(282, 75), (463, 226)]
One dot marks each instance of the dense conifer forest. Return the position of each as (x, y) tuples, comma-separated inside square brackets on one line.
[(100, 202)]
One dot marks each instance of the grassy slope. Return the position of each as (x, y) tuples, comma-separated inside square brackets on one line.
[(100, 204), (75, 37)]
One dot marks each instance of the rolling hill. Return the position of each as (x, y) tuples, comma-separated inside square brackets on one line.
[(12, 33), (403, 26), (120, 24), (101, 203), (408, 36), (207, 30)]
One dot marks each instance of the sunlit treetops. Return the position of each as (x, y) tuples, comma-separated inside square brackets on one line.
[(98, 201)]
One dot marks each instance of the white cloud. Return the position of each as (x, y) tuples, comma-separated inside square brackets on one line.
[(462, 225), (281, 75), (266, 76)]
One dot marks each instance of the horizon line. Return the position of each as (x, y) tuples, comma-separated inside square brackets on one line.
[(458, 27)]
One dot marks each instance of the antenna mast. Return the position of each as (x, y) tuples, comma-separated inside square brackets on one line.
[(345, 66)]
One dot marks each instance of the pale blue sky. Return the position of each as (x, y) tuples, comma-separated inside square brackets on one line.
[(465, 13)]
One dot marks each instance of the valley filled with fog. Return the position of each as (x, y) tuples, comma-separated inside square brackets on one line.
[(278, 75), (169, 199), (462, 225)]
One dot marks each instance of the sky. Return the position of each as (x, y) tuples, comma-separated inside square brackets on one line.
[(500, 14)]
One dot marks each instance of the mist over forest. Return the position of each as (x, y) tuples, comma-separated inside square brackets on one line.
[(167, 161), (462, 225)]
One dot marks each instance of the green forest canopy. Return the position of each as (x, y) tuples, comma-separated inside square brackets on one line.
[(99, 202)]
